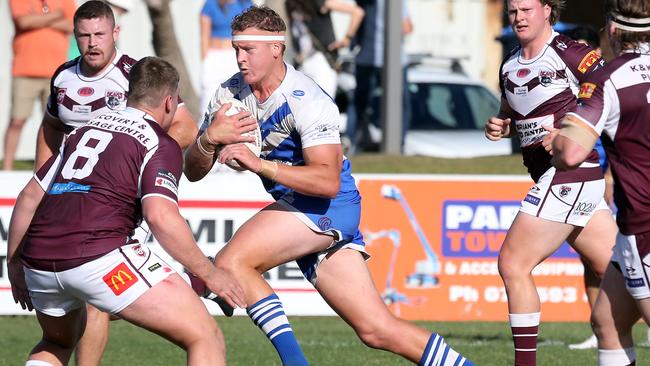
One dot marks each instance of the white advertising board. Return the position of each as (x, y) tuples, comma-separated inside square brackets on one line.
[(214, 208)]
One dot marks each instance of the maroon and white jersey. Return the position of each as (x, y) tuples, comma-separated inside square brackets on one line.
[(95, 185), (540, 92), (76, 99), (616, 102)]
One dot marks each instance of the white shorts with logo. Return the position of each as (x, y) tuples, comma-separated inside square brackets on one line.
[(570, 203), (632, 254), (109, 283)]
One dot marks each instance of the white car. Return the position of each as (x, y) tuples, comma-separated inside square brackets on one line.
[(448, 113)]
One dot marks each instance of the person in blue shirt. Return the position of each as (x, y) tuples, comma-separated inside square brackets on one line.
[(219, 61)]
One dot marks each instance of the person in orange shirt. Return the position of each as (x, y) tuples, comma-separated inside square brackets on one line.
[(40, 45)]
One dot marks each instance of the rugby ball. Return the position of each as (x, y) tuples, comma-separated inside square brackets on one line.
[(236, 106)]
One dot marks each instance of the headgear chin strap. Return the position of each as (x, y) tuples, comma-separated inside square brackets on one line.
[(257, 38), (630, 24)]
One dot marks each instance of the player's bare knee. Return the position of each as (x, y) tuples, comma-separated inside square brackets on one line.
[(508, 268), (17, 123), (374, 338), (232, 264), (204, 333)]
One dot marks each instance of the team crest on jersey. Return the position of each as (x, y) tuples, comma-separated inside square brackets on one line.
[(60, 95), (586, 90), (564, 191), (139, 251), (115, 99), (591, 58), (546, 77)]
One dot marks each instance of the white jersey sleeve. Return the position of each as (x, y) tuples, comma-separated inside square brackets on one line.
[(317, 122)]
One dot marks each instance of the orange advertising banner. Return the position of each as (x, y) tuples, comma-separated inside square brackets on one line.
[(435, 240)]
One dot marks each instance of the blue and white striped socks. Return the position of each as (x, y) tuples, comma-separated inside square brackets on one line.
[(269, 316), (438, 353)]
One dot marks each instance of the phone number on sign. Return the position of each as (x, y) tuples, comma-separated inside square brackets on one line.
[(493, 294)]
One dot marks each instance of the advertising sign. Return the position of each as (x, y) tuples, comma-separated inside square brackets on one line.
[(434, 242)]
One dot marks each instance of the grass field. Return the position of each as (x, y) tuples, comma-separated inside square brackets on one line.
[(325, 341), (379, 163)]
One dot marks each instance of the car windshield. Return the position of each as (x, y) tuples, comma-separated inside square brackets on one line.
[(439, 106)]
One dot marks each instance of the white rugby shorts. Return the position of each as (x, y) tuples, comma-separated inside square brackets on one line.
[(632, 254), (110, 283), (570, 203)]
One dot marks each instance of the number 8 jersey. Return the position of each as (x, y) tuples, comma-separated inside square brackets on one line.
[(95, 185)]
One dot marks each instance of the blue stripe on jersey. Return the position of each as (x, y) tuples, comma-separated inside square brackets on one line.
[(273, 122), (289, 150)]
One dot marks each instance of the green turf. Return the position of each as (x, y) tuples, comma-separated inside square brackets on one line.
[(325, 341), (379, 163)]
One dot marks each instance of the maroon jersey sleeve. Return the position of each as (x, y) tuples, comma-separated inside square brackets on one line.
[(591, 98), (162, 173), (579, 58)]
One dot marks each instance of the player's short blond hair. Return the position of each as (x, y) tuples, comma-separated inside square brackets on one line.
[(260, 17)]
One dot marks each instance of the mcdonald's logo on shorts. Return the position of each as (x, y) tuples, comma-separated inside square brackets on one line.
[(120, 278)]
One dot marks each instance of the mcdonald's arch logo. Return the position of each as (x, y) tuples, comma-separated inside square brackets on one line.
[(120, 278)]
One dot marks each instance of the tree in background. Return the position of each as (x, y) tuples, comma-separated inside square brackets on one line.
[(166, 46)]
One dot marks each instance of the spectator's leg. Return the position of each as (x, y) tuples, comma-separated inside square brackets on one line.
[(361, 99), (12, 136), (24, 91)]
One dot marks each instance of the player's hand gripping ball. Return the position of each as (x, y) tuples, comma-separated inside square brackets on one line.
[(236, 106)]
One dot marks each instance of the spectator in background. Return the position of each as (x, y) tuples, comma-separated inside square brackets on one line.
[(369, 64), (40, 45), (219, 60), (314, 40)]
